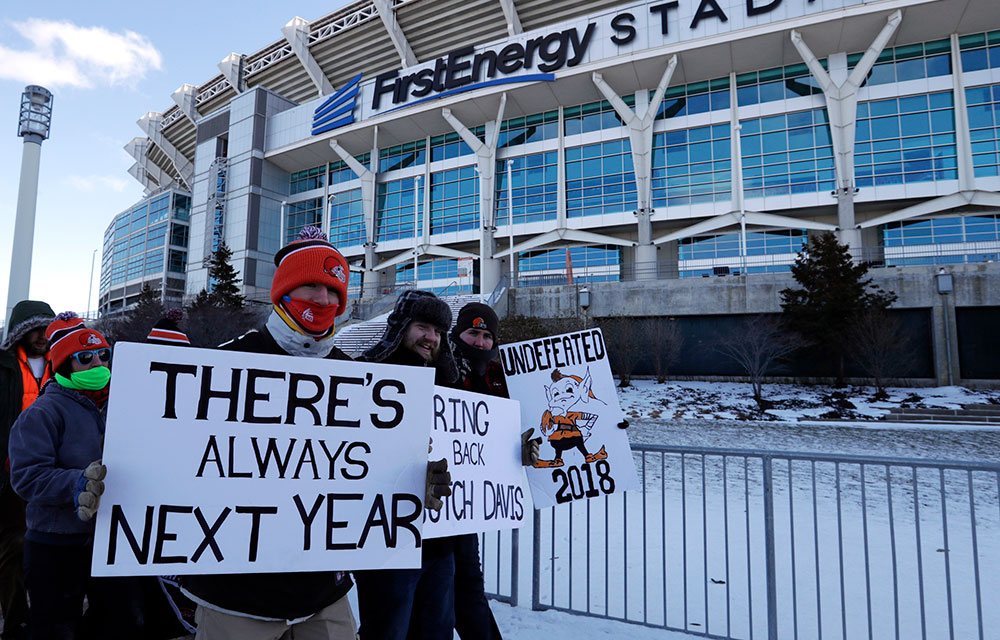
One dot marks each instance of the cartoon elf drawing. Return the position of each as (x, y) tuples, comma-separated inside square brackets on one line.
[(569, 429)]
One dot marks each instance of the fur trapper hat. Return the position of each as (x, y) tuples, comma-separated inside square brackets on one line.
[(421, 306)]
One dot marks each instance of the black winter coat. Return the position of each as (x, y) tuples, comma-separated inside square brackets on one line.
[(281, 596)]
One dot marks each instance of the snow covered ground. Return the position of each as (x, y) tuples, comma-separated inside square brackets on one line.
[(733, 400)]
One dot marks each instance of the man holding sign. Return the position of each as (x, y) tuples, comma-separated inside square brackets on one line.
[(309, 291), (393, 602)]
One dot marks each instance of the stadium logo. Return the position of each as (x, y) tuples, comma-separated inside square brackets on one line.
[(337, 110)]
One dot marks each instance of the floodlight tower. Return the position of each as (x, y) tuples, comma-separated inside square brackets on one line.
[(36, 116)]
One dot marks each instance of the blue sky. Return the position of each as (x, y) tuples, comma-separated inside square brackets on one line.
[(107, 63)]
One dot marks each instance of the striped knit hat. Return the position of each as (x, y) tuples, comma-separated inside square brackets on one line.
[(166, 331), (309, 259), (67, 335)]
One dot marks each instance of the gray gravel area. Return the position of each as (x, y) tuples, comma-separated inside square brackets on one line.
[(940, 442)]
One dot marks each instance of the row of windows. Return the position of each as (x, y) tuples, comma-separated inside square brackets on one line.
[(692, 166), (150, 263), (904, 140), (534, 195), (152, 238), (347, 219), (600, 178), (758, 243), (908, 62), (394, 203), (454, 200), (980, 51), (981, 228), (786, 154), (984, 127)]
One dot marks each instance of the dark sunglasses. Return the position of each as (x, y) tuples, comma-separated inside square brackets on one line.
[(86, 357)]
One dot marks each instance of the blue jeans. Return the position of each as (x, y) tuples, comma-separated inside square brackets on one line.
[(413, 604)]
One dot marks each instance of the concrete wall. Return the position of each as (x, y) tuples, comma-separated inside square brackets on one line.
[(916, 287)]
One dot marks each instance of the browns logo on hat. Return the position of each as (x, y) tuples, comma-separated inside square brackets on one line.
[(67, 334), (311, 258), (477, 315)]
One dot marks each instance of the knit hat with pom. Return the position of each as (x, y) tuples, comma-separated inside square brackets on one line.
[(310, 259), (67, 335), (166, 331)]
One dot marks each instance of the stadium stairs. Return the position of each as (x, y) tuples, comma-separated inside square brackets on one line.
[(970, 413)]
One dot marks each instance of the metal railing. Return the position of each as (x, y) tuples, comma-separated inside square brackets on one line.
[(727, 543), (874, 257)]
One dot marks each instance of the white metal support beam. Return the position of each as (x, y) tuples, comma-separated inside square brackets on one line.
[(640, 133), (565, 235), (184, 97), (424, 249), (751, 217), (150, 124), (139, 173), (232, 68), (296, 33), (388, 16), (510, 13), (840, 89), (937, 205), (138, 148), (486, 164), (367, 177)]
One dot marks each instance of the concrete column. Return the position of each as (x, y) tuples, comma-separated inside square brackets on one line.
[(372, 280), (963, 139), (24, 224), (640, 132), (490, 267), (840, 89), (945, 340)]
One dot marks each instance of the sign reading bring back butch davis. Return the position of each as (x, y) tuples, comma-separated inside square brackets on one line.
[(567, 393), (232, 462)]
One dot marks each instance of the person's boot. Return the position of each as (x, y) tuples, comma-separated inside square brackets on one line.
[(600, 455), (546, 464)]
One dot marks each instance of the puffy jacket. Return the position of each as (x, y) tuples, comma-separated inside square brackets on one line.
[(51, 443), (279, 596)]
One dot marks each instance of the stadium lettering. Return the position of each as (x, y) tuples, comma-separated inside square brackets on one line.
[(464, 66)]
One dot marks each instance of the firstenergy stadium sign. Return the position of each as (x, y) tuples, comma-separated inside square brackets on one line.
[(538, 55)]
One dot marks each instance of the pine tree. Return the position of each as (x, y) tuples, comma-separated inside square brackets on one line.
[(225, 280), (834, 293), (134, 324)]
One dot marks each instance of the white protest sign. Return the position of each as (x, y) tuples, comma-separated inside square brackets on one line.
[(479, 436), (233, 462), (567, 392)]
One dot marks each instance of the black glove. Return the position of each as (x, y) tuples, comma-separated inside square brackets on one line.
[(89, 488), (438, 484), (623, 424), (529, 448)]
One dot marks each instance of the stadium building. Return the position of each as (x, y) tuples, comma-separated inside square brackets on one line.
[(146, 245), (502, 145)]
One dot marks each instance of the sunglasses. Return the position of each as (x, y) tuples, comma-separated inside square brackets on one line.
[(86, 357)]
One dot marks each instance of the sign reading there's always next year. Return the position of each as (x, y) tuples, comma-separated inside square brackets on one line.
[(233, 462), (567, 393)]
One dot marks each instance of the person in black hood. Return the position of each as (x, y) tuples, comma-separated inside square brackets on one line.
[(309, 291)]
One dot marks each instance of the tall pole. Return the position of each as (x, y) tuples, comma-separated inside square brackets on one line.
[(33, 126), (90, 287), (510, 220), (416, 233)]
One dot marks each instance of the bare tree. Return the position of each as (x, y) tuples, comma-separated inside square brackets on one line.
[(880, 347), (666, 345), (758, 345), (624, 337)]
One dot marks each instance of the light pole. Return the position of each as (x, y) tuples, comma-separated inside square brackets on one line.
[(510, 220), (90, 288), (945, 285), (33, 126), (416, 199)]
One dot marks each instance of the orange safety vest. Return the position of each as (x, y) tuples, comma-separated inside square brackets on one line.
[(31, 385)]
